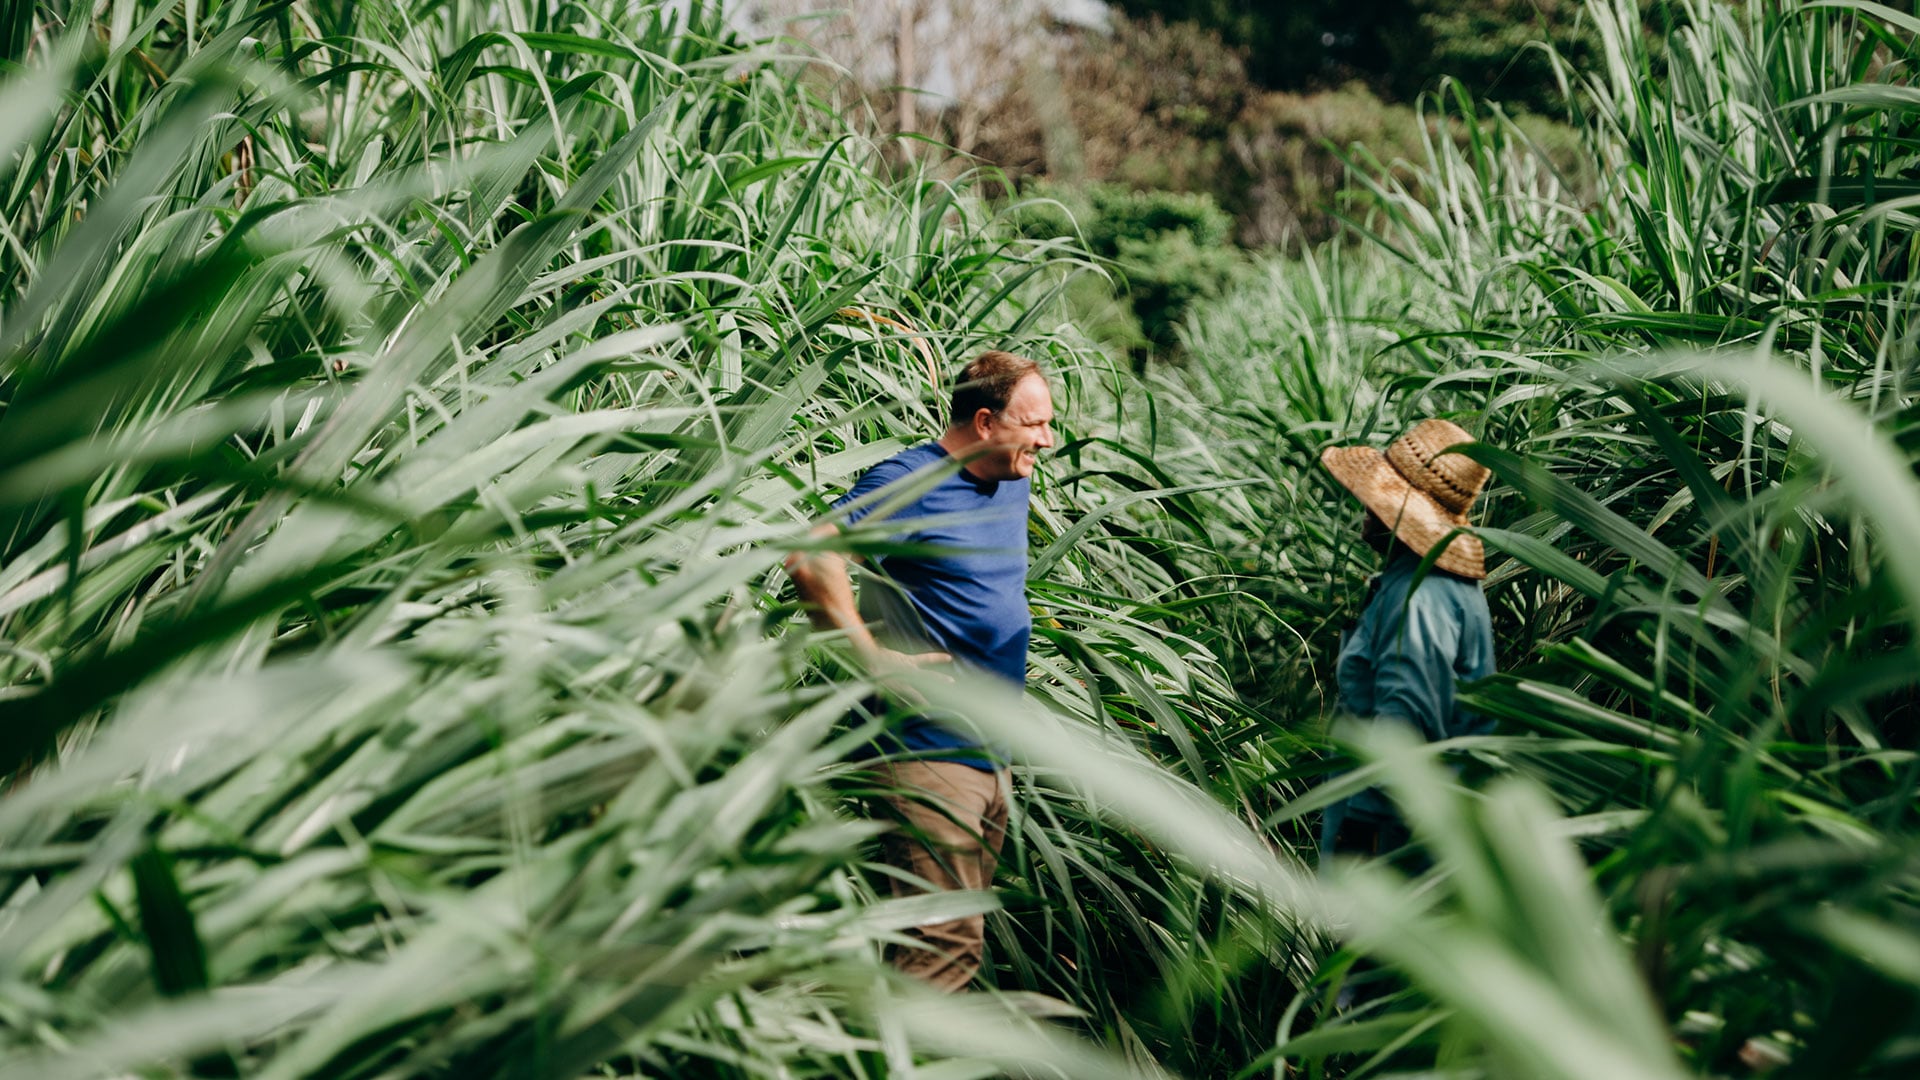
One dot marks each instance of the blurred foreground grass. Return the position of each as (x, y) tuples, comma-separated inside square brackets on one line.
[(406, 409)]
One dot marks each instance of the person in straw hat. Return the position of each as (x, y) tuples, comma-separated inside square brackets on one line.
[(1414, 640)]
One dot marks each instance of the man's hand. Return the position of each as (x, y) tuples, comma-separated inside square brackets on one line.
[(883, 660), (821, 579), (895, 670)]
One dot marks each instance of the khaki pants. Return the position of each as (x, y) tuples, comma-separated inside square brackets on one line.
[(952, 821)]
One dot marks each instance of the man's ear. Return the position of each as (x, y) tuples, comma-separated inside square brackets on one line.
[(982, 419)]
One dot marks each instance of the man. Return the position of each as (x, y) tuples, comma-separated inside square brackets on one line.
[(962, 601), (1401, 662)]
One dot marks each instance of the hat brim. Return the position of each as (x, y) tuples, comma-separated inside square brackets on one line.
[(1416, 518)]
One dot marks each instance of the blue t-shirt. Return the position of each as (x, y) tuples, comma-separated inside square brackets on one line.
[(970, 596)]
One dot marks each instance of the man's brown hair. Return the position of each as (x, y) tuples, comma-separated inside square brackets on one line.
[(987, 382)]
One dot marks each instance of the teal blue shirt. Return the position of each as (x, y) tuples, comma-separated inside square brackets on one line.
[(1404, 658)]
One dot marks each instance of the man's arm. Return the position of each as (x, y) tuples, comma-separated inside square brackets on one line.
[(821, 579)]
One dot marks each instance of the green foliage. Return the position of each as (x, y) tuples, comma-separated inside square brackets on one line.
[(1150, 106), (1168, 273), (1504, 50), (1302, 46), (403, 415), (402, 419), (1705, 611), (1121, 216), (1169, 250), (1514, 52), (1291, 162), (1170, 106)]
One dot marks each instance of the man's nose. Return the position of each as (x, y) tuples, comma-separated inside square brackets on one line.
[(1045, 442)]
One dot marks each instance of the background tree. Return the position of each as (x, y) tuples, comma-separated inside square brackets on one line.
[(1401, 48), (926, 66)]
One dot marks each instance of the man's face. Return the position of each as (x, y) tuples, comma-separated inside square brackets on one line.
[(1015, 436)]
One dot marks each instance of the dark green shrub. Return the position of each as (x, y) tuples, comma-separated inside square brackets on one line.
[(1120, 216), (1169, 249), (1170, 271)]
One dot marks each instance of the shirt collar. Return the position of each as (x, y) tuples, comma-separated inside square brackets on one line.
[(984, 487)]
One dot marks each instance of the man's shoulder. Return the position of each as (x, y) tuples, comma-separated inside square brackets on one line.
[(884, 474), (911, 459), (904, 463)]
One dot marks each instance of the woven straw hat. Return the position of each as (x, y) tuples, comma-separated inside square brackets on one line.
[(1418, 493)]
